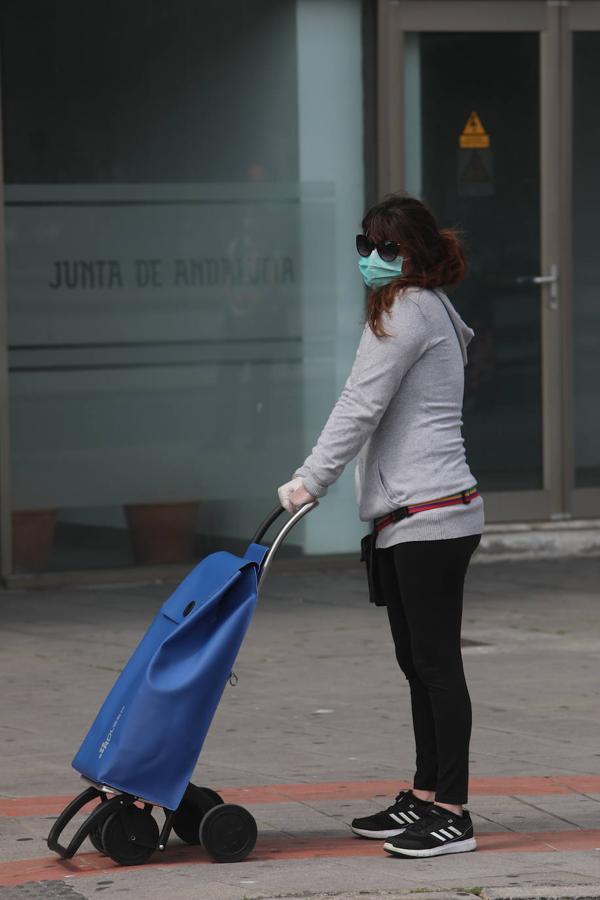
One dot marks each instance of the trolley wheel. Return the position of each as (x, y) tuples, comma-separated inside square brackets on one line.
[(216, 798), (228, 833), (130, 836), (95, 837), (196, 802), (95, 834)]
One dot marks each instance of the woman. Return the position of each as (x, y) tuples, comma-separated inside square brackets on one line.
[(401, 407)]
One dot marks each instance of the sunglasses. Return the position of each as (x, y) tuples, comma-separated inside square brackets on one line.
[(388, 250)]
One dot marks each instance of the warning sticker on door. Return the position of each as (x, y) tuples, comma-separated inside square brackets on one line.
[(474, 136)]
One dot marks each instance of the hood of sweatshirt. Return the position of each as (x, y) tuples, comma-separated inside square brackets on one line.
[(463, 332)]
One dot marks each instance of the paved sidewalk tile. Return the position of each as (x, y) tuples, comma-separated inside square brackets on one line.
[(318, 730)]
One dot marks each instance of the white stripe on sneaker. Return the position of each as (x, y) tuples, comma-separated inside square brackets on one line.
[(446, 833), (406, 818), (397, 819), (455, 830), (438, 836), (414, 815)]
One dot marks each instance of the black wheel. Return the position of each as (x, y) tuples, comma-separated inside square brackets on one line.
[(95, 834), (130, 836), (206, 792), (228, 833), (196, 802), (95, 837)]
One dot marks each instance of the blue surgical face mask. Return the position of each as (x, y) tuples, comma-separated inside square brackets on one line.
[(376, 272)]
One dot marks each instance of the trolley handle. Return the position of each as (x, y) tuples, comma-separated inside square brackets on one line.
[(281, 534), (266, 524)]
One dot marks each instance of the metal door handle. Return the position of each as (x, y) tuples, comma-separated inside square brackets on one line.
[(552, 279)]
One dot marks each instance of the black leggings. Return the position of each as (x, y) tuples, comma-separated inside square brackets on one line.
[(422, 582)]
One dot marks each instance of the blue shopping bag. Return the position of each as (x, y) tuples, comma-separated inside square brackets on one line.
[(148, 735)]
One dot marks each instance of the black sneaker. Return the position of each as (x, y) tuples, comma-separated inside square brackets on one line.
[(404, 811), (438, 832)]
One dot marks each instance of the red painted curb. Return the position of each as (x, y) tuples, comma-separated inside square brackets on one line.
[(337, 790)]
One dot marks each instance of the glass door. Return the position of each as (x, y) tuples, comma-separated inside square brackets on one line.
[(468, 122), (581, 50)]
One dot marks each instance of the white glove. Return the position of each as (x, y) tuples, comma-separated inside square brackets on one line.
[(284, 492)]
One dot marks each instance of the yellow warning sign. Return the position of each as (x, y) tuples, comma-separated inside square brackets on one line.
[(474, 136)]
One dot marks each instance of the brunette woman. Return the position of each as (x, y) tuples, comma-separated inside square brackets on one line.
[(401, 412)]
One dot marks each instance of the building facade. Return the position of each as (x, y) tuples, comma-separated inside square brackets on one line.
[(180, 302)]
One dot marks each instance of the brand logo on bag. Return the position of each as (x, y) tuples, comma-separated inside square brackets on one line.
[(107, 739)]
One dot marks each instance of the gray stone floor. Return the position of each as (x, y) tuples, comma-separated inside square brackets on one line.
[(320, 699)]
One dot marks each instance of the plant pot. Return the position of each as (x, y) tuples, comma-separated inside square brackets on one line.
[(32, 536), (162, 532)]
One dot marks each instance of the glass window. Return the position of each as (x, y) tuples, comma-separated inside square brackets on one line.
[(177, 268)]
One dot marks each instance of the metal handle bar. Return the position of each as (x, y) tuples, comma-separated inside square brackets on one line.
[(280, 536), (266, 524)]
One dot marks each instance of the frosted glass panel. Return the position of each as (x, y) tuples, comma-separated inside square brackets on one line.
[(156, 345)]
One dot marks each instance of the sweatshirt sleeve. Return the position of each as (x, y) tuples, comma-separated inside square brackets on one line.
[(379, 366)]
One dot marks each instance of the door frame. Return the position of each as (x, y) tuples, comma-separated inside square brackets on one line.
[(577, 15), (395, 17), (5, 501)]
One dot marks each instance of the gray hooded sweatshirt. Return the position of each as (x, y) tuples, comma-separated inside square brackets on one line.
[(401, 412)]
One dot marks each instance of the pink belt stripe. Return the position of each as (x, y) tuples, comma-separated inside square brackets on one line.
[(423, 506)]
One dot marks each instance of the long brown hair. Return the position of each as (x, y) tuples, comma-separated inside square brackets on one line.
[(434, 256)]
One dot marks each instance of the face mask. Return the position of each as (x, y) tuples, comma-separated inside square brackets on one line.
[(376, 272)]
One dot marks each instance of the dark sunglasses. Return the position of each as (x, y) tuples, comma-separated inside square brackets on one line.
[(388, 250)]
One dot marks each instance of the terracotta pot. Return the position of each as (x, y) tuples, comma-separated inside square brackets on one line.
[(32, 535), (162, 532)]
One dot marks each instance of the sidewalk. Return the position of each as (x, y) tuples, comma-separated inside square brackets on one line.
[(318, 731)]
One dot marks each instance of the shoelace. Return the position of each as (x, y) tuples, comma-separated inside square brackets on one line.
[(399, 798)]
